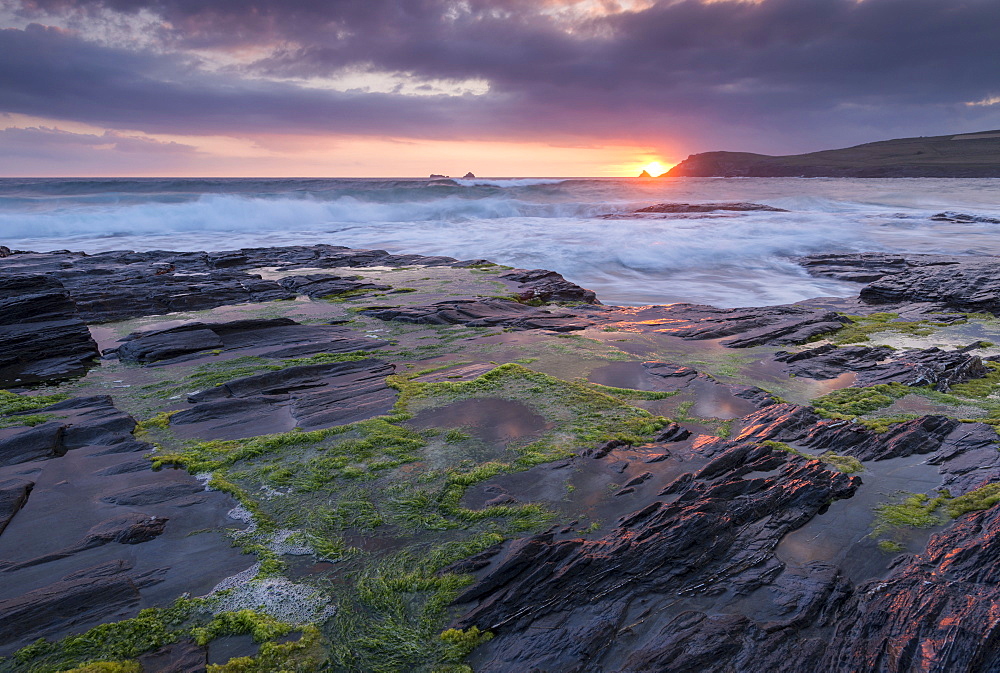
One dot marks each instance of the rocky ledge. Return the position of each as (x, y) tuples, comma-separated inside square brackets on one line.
[(956, 283), (317, 458)]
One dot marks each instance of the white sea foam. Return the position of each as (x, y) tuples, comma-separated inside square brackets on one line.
[(728, 259), (507, 182)]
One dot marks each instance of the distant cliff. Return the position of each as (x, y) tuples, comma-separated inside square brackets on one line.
[(970, 155)]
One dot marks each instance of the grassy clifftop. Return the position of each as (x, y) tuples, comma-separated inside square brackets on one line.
[(970, 155)]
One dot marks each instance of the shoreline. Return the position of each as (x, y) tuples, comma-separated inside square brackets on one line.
[(490, 461)]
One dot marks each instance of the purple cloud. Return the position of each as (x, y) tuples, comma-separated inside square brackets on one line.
[(778, 75)]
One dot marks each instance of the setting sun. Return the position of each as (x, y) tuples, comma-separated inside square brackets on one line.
[(655, 168)]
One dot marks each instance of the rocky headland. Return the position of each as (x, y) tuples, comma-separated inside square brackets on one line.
[(968, 155), (320, 458)]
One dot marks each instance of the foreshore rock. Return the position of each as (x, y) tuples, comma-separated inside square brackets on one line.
[(751, 326), (93, 593), (569, 604), (13, 494), (737, 206), (548, 286), (691, 580), (958, 283), (264, 337), (84, 541), (485, 312), (880, 364), (123, 284), (308, 396), (684, 560), (41, 337)]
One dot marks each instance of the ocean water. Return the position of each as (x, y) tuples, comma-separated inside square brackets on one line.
[(575, 226)]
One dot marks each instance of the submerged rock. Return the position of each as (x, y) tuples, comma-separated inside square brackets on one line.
[(963, 218)]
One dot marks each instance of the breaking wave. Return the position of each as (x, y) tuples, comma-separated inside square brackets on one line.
[(577, 227)]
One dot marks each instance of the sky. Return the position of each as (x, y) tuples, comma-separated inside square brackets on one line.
[(497, 87)]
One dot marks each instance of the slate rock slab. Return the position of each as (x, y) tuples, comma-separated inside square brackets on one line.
[(309, 396), (122, 284), (553, 603), (100, 590), (321, 285), (737, 206), (263, 337), (881, 364), (181, 657), (128, 528), (483, 313), (548, 286), (952, 282), (13, 494), (736, 327), (41, 336)]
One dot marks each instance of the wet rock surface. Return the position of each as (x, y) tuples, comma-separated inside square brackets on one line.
[(320, 285), (738, 327), (485, 313), (574, 604), (962, 218), (869, 266), (690, 579), (959, 283), (182, 657), (41, 336), (308, 396), (13, 494), (691, 544), (966, 452), (92, 593), (737, 206), (264, 337), (880, 364), (123, 284), (910, 620), (548, 286), (969, 286), (83, 542)]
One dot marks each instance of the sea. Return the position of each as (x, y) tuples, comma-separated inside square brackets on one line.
[(582, 228)]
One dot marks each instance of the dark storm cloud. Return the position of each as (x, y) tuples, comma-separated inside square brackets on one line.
[(778, 71)]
